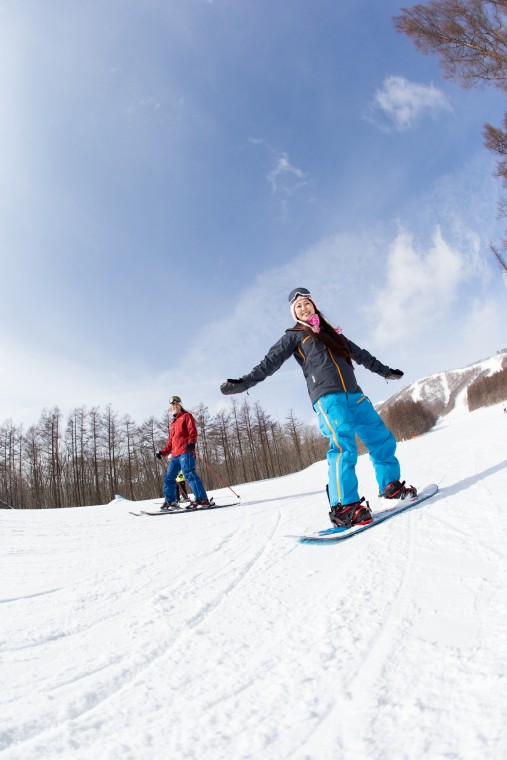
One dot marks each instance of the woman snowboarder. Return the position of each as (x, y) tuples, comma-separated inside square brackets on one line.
[(325, 355)]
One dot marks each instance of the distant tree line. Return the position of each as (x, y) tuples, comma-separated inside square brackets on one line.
[(408, 419), (486, 391), (405, 419), (93, 454)]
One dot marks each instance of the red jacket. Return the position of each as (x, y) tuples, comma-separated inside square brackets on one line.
[(183, 430)]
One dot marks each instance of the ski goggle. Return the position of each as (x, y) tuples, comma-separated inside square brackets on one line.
[(297, 293), (175, 400)]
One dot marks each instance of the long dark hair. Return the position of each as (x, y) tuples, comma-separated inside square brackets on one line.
[(329, 337)]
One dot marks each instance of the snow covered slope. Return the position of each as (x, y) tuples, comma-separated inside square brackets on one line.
[(214, 635), (446, 392)]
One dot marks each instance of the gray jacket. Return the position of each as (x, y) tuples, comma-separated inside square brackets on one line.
[(323, 370)]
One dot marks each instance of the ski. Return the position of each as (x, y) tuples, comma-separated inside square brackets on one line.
[(119, 497), (341, 534), (183, 510)]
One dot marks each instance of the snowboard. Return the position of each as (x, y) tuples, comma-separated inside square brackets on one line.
[(183, 510), (340, 534)]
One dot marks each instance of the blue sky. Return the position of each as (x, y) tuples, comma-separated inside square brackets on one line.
[(171, 169)]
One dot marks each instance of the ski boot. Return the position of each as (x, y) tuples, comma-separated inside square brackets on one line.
[(398, 490), (345, 516), (203, 502), (169, 505)]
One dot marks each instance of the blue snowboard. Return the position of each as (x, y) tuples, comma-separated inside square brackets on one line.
[(340, 534)]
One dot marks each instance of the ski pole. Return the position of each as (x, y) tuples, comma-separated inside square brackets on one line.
[(217, 475)]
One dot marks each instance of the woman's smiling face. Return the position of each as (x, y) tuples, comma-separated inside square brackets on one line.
[(303, 309)]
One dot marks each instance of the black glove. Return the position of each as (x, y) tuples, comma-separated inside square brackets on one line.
[(159, 455), (394, 374), (233, 386), (190, 447)]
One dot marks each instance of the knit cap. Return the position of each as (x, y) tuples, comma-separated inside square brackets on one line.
[(297, 293)]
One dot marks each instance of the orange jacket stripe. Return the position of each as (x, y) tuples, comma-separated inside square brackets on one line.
[(337, 369)]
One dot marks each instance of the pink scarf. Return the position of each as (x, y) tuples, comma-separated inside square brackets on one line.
[(314, 323)]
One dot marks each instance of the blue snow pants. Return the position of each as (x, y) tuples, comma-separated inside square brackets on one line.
[(341, 416), (186, 463)]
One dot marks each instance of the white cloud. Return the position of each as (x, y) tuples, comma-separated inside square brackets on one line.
[(403, 103), (420, 287), (481, 319), (285, 177), (419, 318)]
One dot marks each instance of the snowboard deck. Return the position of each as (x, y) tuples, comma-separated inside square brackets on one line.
[(341, 534)]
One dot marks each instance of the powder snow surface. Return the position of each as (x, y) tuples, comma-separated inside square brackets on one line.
[(215, 635)]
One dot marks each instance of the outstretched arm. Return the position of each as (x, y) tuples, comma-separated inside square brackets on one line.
[(273, 360), (362, 356)]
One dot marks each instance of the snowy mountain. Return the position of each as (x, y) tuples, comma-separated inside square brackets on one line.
[(446, 392), (217, 636)]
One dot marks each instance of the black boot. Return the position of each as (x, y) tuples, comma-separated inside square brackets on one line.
[(357, 513)]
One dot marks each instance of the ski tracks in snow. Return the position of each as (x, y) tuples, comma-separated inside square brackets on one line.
[(213, 635), (357, 678), (156, 641)]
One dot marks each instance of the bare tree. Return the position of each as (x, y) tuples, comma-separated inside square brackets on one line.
[(129, 477), (76, 452), (96, 453), (501, 261), (11, 460), (277, 446), (203, 422), (262, 425), (246, 424), (470, 36), (114, 447), (50, 436), (238, 440), (293, 427), (152, 436), (34, 473)]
